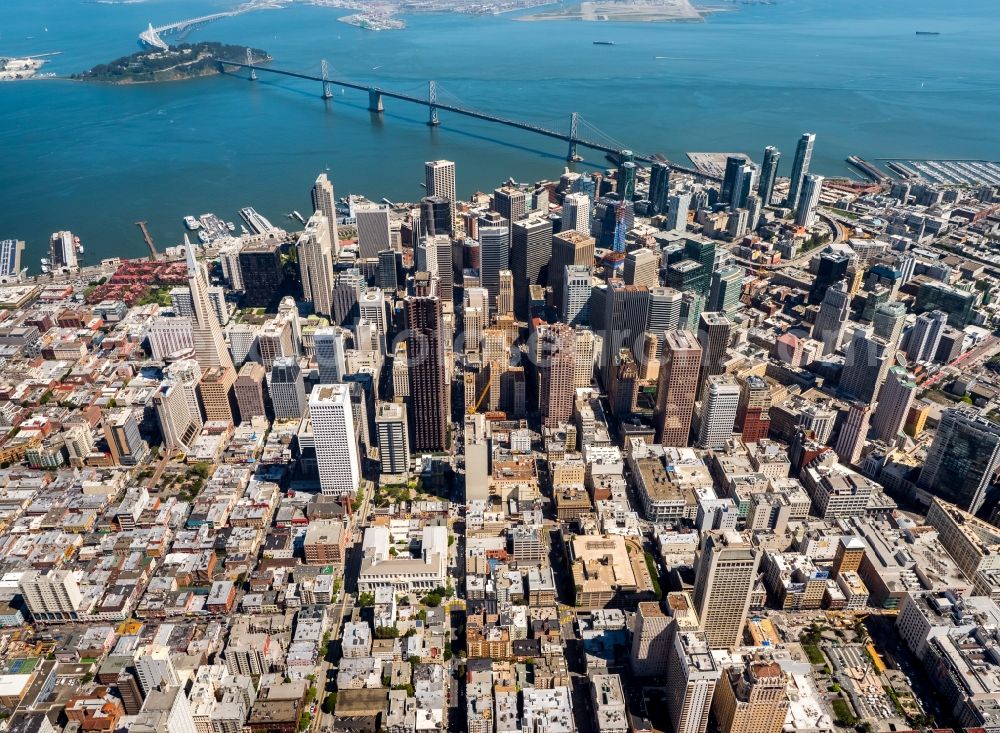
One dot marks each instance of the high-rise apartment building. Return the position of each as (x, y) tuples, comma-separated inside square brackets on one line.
[(677, 212), (511, 203), (805, 214), (121, 431), (53, 595), (316, 259), (725, 572), (925, 338), (678, 384), (768, 174), (718, 415), (726, 288), (583, 368), (800, 169), (337, 456), (659, 186), (430, 404), (664, 314), (962, 459)]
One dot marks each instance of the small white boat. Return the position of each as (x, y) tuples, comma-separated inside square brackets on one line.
[(191, 223)]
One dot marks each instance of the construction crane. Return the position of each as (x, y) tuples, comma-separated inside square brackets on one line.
[(473, 409), (144, 228)]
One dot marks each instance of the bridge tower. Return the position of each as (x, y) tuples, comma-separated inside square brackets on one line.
[(574, 124), (325, 68), (375, 100), (432, 98), (253, 71)]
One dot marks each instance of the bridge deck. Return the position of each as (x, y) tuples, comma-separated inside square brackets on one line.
[(527, 126)]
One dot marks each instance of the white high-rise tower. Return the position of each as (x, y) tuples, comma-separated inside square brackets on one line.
[(337, 456), (324, 203), (316, 264)]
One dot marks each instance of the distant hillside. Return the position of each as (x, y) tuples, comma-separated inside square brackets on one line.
[(183, 61)]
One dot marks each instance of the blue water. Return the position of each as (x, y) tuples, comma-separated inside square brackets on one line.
[(95, 158)]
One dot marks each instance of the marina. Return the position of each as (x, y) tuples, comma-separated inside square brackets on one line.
[(953, 172)]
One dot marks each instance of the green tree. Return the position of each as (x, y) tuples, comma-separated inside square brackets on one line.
[(330, 703), (366, 599)]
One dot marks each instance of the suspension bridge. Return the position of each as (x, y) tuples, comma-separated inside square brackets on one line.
[(436, 102)]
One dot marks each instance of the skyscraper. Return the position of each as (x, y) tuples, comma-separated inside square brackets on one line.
[(925, 338), (121, 430), (800, 169), (178, 425), (262, 273), (725, 572), (624, 387), (853, 433), (209, 343), (510, 203), (752, 697), (733, 163), (805, 214), (576, 213), (718, 415), (768, 174), (677, 212), (430, 409), (329, 349), (659, 186), (287, 389), (505, 299), (249, 389), (702, 252), (888, 321), (215, 390), (325, 203), (743, 185), (678, 384), (393, 438), (316, 264), (894, 402), (557, 349), (437, 216), (692, 675), (626, 180), (714, 330), (576, 295), (494, 251), (831, 320), (753, 415), (642, 267), (727, 284), (568, 248), (439, 177), (337, 456), (530, 252), (651, 637), (832, 269), (626, 309), (664, 314), (962, 459), (374, 233), (867, 359)]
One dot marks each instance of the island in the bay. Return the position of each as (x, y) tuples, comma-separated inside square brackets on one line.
[(183, 61)]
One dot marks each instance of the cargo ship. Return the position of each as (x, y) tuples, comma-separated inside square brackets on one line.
[(604, 43), (928, 33)]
